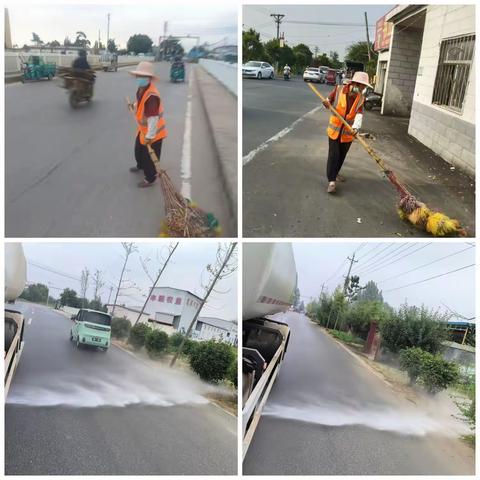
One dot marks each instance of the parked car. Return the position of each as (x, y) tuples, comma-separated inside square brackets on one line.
[(331, 77), (258, 70), (313, 74), (372, 99), (91, 328), (324, 69)]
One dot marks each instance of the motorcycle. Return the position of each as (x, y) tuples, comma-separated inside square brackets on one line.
[(286, 75), (79, 85)]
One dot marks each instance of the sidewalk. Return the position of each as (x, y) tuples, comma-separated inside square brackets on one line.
[(285, 185), (221, 109)]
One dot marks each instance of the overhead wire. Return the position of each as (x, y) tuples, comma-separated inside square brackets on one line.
[(402, 248)]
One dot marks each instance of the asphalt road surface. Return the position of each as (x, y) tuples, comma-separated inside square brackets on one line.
[(83, 412), (329, 415), (67, 170), (269, 106), (285, 150)]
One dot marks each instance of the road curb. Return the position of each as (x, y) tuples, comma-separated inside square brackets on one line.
[(359, 359), (221, 124)]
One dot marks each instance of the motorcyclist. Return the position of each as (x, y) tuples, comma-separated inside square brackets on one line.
[(286, 71), (81, 63)]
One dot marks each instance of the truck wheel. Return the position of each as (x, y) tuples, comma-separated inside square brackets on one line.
[(73, 100), (78, 344)]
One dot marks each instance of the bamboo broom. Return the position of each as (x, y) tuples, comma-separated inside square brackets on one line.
[(409, 208), (183, 217)]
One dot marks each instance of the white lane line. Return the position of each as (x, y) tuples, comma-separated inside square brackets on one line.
[(29, 321), (186, 164), (252, 154)]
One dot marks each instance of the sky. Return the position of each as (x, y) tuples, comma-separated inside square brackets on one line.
[(387, 264), (185, 271), (326, 37), (212, 22)]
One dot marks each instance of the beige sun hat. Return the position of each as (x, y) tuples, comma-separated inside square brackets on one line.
[(361, 77), (144, 69)]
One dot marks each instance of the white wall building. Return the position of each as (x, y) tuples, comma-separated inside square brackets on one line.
[(430, 77), (211, 328)]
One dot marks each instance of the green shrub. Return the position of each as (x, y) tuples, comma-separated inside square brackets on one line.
[(437, 373), (175, 340), (211, 360), (121, 327), (233, 373), (138, 334), (413, 327), (411, 361), (156, 343), (189, 347)]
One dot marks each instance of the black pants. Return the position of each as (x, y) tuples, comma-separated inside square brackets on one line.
[(144, 162), (337, 152)]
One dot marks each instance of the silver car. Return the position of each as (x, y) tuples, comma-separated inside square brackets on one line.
[(313, 74), (258, 70)]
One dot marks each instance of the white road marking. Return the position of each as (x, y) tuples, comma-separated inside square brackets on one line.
[(252, 154), (186, 164), (29, 321)]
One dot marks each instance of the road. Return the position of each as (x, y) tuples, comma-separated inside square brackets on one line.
[(285, 150), (67, 170), (83, 412), (328, 414)]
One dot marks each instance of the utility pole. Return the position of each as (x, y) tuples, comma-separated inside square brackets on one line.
[(108, 29), (323, 286), (129, 249), (110, 295), (217, 274), (368, 38), (277, 18), (347, 278), (155, 283)]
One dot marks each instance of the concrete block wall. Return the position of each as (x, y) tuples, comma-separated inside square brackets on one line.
[(448, 133), (402, 71), (225, 73)]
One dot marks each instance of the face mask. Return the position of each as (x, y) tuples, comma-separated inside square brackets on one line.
[(357, 89), (143, 82)]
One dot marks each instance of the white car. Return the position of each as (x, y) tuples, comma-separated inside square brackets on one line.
[(313, 74), (258, 70)]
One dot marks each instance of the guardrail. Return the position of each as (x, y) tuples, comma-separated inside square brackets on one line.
[(13, 60), (224, 72)]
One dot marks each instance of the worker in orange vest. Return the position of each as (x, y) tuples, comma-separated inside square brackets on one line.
[(348, 100), (151, 127)]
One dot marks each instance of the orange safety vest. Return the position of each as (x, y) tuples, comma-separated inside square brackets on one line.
[(142, 120), (335, 126)]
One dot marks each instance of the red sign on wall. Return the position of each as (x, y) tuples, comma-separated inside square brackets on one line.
[(383, 33)]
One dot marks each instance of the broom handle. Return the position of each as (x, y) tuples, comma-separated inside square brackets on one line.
[(365, 145), (151, 151)]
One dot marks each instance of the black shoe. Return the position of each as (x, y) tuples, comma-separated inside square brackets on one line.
[(134, 169)]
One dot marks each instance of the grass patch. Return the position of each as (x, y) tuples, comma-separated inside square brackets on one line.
[(469, 440), (346, 337)]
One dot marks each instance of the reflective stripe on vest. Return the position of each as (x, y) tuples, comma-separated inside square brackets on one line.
[(142, 127), (335, 126)]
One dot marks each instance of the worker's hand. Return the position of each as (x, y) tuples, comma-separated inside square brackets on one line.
[(354, 132), (326, 103), (148, 141)]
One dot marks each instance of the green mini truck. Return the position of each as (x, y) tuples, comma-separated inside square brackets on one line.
[(91, 328)]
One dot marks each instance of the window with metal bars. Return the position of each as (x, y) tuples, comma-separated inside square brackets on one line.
[(455, 61)]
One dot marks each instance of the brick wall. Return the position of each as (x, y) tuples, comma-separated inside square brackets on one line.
[(402, 71)]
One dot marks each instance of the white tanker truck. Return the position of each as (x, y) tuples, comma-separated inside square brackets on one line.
[(269, 282), (15, 279)]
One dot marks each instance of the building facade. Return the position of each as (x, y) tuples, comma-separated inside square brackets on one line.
[(211, 328), (427, 74)]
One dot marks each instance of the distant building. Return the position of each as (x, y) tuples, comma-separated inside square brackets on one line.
[(211, 328), (8, 33), (426, 72)]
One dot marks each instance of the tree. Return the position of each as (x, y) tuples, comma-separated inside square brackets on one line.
[(129, 248), (360, 315), (69, 298), (252, 47), (54, 43), (81, 40), (111, 46), (370, 293), (303, 56), (121, 327), (84, 282), (171, 48), (35, 293), (98, 284), (36, 40), (272, 51), (322, 60), (67, 42), (296, 299), (414, 327), (358, 52), (138, 334), (139, 43), (334, 60)]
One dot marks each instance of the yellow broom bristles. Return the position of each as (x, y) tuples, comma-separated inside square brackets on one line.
[(439, 225)]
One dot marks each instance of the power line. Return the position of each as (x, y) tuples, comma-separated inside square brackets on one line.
[(390, 245), (52, 270), (389, 256), (398, 259), (425, 265), (375, 247), (430, 278), (336, 271), (332, 24)]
